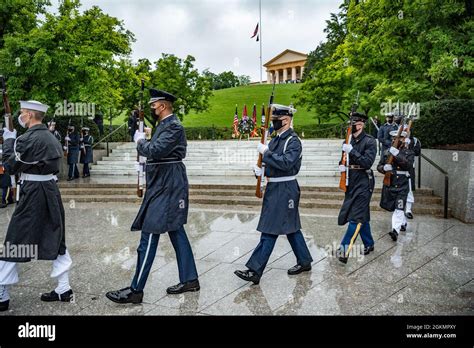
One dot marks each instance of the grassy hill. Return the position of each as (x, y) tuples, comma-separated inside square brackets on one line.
[(222, 105)]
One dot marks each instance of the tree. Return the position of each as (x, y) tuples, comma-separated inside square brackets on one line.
[(71, 56), (401, 50), (179, 77)]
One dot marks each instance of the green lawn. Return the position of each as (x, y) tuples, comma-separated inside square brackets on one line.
[(222, 105)]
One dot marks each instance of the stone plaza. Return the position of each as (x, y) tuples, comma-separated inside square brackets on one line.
[(429, 271)]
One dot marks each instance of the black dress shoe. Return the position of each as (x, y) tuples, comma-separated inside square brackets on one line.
[(403, 228), (248, 275), (368, 250), (54, 296), (125, 295), (3, 205), (394, 235), (70, 179), (4, 305), (299, 269), (184, 287), (409, 215), (343, 259)]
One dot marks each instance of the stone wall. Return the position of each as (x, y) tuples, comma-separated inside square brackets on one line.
[(460, 167)]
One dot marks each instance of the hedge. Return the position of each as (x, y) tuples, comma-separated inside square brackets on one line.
[(445, 122)]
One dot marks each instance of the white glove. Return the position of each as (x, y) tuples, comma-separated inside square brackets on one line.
[(262, 148), (67, 138), (342, 168), (347, 148), (138, 136), (8, 135), (387, 167), (257, 170), (138, 167), (65, 148), (407, 141), (394, 151), (81, 139)]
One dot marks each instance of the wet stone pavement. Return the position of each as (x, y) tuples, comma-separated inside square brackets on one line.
[(430, 270)]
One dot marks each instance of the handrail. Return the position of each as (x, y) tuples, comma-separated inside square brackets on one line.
[(446, 180), (110, 134)]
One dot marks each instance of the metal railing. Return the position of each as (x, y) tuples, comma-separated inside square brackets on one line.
[(101, 141), (446, 181)]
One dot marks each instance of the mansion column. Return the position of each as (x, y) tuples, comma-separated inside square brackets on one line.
[(277, 76), (269, 77), (301, 72), (285, 75), (293, 73)]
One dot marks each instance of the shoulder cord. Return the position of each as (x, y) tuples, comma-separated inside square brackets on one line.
[(17, 155)]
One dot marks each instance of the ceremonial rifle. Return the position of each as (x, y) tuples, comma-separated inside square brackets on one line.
[(83, 147), (263, 140), (66, 152), (8, 123), (140, 159), (344, 181)]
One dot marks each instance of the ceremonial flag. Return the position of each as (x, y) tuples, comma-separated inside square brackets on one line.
[(254, 119), (255, 32), (235, 125)]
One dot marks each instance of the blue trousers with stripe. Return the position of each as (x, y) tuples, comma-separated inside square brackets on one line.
[(262, 252), (147, 251), (365, 234)]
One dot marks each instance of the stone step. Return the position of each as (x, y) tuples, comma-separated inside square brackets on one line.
[(213, 187), (419, 208), (419, 197)]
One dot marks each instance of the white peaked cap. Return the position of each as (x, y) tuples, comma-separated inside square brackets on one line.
[(33, 105)]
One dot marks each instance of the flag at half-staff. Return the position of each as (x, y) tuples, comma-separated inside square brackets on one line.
[(235, 125)]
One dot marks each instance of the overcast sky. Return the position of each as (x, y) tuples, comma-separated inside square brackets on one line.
[(217, 32)]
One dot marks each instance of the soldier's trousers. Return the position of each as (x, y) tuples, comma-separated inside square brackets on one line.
[(60, 271), (351, 235), (73, 171), (147, 251), (85, 169), (398, 219), (262, 252)]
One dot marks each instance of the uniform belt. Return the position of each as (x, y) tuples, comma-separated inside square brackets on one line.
[(355, 167), (35, 177), (403, 172), (282, 179), (164, 161)]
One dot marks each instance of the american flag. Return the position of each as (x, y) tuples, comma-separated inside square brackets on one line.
[(235, 125)]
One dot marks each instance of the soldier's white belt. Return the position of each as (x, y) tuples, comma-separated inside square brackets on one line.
[(35, 177), (403, 172), (282, 179)]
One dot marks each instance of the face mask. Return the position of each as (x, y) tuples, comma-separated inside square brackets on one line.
[(390, 120), (398, 121), (354, 128), (277, 124), (152, 113), (20, 121)]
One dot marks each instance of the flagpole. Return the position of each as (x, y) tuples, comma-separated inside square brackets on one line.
[(260, 8)]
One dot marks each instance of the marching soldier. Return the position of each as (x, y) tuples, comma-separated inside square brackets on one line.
[(356, 206), (394, 197), (415, 146), (5, 181), (38, 219), (165, 205), (132, 123), (280, 215), (87, 155), (383, 135), (72, 148), (53, 130)]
